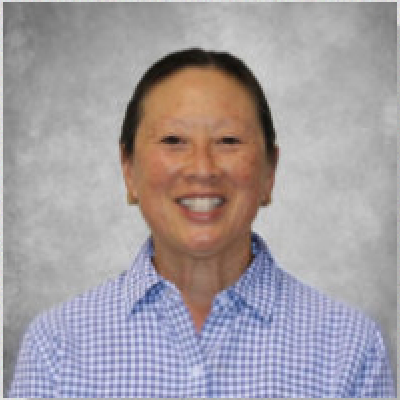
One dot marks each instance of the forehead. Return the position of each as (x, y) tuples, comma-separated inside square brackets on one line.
[(193, 84), (201, 93), (207, 78)]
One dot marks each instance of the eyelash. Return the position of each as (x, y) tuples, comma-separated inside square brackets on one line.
[(230, 140), (173, 139)]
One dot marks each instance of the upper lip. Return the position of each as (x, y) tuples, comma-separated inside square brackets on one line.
[(200, 194)]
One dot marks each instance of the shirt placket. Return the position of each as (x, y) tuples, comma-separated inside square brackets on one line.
[(180, 328), (215, 332)]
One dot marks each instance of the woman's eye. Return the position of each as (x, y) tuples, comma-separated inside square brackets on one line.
[(230, 140), (171, 139)]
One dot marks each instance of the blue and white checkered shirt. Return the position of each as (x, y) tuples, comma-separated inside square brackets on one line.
[(268, 335)]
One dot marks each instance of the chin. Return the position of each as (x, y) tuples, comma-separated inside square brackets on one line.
[(202, 244)]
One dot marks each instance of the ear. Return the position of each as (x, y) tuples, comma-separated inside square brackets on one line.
[(129, 173), (271, 166)]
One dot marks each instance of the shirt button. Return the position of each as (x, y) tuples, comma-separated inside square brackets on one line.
[(196, 371)]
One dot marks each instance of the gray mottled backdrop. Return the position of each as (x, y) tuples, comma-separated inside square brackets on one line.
[(329, 71)]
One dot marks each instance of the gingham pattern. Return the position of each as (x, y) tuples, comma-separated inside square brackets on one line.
[(268, 335)]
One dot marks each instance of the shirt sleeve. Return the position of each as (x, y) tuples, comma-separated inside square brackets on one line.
[(36, 368), (374, 379)]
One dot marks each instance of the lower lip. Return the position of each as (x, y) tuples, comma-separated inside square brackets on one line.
[(202, 216)]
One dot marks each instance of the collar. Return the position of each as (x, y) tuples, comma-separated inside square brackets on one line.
[(141, 281), (255, 288)]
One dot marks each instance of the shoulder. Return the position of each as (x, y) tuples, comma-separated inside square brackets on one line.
[(308, 305), (301, 305), (339, 337), (330, 330), (80, 315), (56, 337), (106, 303), (333, 338)]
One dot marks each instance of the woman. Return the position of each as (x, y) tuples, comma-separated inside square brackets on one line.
[(204, 311)]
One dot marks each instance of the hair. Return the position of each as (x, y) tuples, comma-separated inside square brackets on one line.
[(195, 57)]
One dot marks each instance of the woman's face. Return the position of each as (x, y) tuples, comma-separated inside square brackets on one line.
[(199, 169)]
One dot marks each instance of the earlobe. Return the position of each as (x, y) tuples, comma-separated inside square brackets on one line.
[(128, 170), (273, 162), (275, 158), (266, 201), (130, 199)]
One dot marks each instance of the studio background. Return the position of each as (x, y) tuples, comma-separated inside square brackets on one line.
[(329, 72)]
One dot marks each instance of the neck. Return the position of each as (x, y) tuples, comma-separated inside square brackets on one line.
[(200, 278)]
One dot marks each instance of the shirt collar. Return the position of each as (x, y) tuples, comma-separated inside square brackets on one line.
[(256, 287), (142, 279)]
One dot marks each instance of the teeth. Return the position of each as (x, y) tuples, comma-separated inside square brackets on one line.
[(201, 204)]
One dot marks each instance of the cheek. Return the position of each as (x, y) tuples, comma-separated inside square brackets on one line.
[(247, 172), (157, 171)]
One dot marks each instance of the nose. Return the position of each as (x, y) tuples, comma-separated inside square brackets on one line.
[(202, 164)]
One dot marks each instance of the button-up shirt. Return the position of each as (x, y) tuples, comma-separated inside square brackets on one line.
[(267, 335)]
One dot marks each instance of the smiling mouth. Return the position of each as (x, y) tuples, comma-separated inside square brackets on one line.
[(201, 204)]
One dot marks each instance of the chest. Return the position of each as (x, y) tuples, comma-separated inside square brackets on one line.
[(158, 353)]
